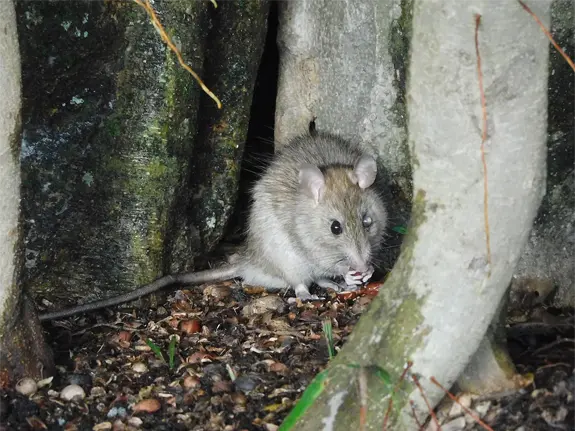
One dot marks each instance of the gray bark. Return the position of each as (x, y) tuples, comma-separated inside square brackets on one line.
[(130, 169), (442, 294), (22, 349)]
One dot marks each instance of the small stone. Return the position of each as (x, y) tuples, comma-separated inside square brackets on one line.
[(139, 367), (26, 386), (455, 425), (102, 426), (482, 408), (135, 421), (119, 425), (113, 412), (71, 392)]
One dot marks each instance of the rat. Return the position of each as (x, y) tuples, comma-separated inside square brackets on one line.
[(317, 215)]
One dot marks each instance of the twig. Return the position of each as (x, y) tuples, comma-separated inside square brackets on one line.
[(468, 411), (431, 412), (483, 139), (389, 406), (413, 412), (557, 47), (150, 10)]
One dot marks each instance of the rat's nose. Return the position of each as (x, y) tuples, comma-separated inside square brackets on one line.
[(360, 267)]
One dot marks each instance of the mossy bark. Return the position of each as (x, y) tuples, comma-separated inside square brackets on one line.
[(112, 134), (233, 52)]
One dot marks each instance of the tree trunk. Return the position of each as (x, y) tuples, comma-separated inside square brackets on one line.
[(443, 292), (130, 169), (22, 348)]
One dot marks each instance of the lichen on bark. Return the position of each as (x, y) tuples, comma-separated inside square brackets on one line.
[(113, 139)]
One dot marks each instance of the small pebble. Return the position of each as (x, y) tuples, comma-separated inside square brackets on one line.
[(102, 426), (135, 421), (27, 386), (113, 412), (139, 367), (72, 391), (455, 425)]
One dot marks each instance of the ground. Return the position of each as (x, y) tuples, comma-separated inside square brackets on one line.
[(241, 359)]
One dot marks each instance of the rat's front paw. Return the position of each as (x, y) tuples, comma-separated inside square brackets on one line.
[(355, 278), (367, 274)]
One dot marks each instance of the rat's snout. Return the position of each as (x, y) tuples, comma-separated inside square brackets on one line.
[(358, 264), (359, 259), (360, 267)]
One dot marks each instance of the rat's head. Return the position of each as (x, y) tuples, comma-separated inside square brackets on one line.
[(346, 217)]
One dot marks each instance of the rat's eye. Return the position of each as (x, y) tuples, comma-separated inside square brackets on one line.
[(336, 228), (367, 221)]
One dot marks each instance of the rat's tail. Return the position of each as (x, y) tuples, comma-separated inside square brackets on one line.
[(216, 274)]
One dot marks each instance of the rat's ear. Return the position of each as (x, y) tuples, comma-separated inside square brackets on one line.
[(311, 181), (364, 172)]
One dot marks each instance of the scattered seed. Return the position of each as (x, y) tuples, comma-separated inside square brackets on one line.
[(27, 386), (149, 405), (190, 326), (139, 367), (71, 392)]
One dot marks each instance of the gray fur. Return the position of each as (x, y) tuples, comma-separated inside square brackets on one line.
[(289, 239)]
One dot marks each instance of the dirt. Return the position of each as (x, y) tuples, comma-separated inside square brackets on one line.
[(240, 358)]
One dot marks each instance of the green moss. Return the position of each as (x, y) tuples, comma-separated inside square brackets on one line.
[(112, 126)]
